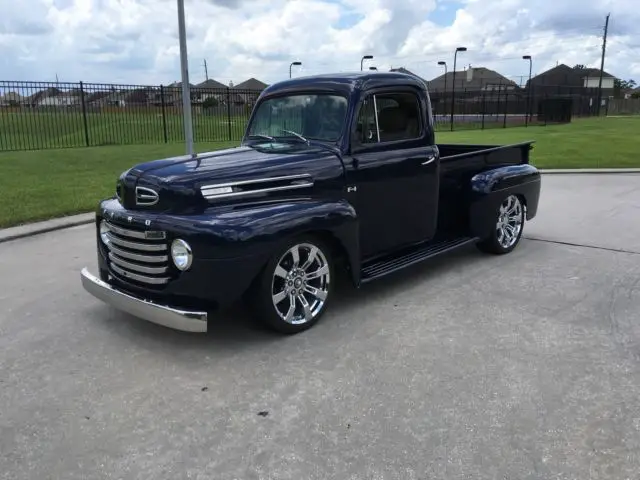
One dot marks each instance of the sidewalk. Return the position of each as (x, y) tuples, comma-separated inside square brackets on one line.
[(13, 233)]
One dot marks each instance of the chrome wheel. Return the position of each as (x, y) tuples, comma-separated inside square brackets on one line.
[(300, 284), (509, 223)]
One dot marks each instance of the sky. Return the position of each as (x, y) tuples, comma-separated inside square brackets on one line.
[(135, 42)]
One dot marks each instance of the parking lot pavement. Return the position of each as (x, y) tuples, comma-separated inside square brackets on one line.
[(597, 210), (469, 366)]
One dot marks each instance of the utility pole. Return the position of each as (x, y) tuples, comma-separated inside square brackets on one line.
[(186, 92), (604, 49), (206, 73)]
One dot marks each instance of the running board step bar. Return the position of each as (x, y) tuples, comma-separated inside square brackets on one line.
[(381, 268)]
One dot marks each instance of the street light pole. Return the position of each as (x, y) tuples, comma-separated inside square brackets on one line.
[(366, 57), (186, 93), (444, 64), (292, 64), (453, 88), (529, 106)]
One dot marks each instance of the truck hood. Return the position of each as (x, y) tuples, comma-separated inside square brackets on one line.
[(178, 180)]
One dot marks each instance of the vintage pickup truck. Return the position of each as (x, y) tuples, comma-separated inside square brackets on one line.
[(334, 172)]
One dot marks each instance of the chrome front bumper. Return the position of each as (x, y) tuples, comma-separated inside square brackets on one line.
[(185, 320)]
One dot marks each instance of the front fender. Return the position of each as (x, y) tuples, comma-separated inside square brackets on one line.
[(490, 187), (240, 239), (260, 229)]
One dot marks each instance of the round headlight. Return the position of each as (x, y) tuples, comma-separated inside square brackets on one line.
[(104, 229), (181, 254)]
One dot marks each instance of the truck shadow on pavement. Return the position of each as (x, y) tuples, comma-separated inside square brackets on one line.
[(234, 329)]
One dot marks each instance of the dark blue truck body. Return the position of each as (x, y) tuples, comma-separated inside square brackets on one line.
[(345, 165)]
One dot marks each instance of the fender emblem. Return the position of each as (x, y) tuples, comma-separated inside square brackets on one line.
[(352, 189), (129, 219)]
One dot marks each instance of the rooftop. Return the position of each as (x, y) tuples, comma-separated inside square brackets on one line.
[(346, 82)]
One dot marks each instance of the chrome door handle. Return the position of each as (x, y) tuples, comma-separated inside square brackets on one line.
[(430, 159)]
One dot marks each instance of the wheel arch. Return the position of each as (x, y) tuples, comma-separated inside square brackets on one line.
[(340, 234), (490, 187)]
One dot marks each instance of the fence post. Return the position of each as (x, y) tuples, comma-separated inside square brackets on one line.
[(229, 112), (84, 114), (506, 107), (164, 116), (484, 106)]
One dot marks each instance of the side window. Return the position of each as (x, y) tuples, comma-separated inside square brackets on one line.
[(394, 117)]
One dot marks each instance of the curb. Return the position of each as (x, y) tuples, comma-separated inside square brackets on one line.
[(31, 229), (589, 170)]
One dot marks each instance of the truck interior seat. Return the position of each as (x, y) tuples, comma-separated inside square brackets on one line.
[(393, 123)]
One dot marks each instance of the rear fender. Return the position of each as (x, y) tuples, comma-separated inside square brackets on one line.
[(489, 188)]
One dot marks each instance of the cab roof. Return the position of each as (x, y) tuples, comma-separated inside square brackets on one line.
[(345, 83)]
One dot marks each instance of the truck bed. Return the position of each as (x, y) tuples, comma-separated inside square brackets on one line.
[(459, 157), (458, 164)]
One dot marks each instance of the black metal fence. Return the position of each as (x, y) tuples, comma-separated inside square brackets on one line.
[(40, 115), (507, 108), (62, 115)]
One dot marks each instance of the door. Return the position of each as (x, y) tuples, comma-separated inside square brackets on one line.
[(393, 173)]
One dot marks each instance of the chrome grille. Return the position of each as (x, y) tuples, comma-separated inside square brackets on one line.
[(138, 255)]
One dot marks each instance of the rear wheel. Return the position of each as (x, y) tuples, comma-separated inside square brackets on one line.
[(509, 223), (295, 286)]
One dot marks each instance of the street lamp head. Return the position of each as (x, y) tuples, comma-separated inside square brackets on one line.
[(461, 49), (296, 63), (373, 68), (442, 63), (527, 57), (367, 57)]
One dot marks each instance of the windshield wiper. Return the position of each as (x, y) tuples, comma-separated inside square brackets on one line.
[(259, 135), (296, 135)]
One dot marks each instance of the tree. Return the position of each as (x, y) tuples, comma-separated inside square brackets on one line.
[(621, 86), (210, 102)]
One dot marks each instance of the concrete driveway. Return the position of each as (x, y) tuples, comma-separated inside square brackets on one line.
[(525, 366)]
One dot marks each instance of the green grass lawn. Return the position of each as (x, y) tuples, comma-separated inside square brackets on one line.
[(32, 130), (42, 184)]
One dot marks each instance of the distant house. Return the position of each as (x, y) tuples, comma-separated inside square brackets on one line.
[(10, 99), (474, 82), (565, 80), (632, 93), (250, 90), (172, 94), (210, 88), (61, 99), (123, 98), (109, 99), (251, 84), (211, 84), (39, 97)]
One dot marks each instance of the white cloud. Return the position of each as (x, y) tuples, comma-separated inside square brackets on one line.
[(135, 41)]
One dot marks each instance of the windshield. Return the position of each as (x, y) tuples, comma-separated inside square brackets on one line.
[(311, 116)]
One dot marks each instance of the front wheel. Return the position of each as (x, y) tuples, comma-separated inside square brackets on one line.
[(295, 286), (509, 223)]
